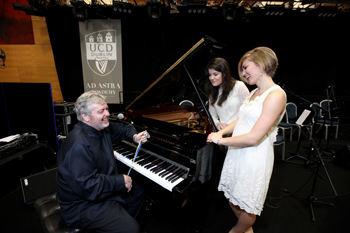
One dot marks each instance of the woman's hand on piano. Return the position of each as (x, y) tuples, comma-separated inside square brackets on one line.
[(220, 126), (141, 137), (127, 182), (214, 137)]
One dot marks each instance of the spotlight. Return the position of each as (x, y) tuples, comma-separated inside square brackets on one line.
[(196, 8), (80, 13), (154, 9), (27, 9), (173, 7), (79, 9), (77, 2), (229, 10), (2, 57), (122, 7), (274, 10), (154, 12), (328, 12)]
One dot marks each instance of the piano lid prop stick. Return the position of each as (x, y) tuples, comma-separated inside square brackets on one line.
[(135, 156)]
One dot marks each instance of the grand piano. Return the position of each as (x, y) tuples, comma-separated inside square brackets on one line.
[(176, 155)]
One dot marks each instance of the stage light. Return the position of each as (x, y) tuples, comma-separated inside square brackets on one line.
[(27, 9), (274, 10), (154, 9), (196, 8), (229, 10), (122, 7), (81, 13), (173, 7), (77, 2), (327, 12), (154, 12), (79, 9)]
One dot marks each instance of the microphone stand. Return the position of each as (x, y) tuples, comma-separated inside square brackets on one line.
[(328, 111), (307, 161), (311, 199)]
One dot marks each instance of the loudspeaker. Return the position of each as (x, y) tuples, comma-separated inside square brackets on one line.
[(342, 156), (38, 185)]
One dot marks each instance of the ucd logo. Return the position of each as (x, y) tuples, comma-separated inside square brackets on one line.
[(101, 51)]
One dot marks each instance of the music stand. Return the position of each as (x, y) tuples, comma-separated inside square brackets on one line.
[(299, 123)]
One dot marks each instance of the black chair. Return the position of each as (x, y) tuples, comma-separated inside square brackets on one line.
[(328, 117), (280, 140), (41, 188), (186, 103), (292, 116), (49, 212), (285, 125)]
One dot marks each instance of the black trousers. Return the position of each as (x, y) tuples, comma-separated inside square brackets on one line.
[(118, 218)]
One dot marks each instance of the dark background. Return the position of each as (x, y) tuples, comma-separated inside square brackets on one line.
[(36, 115), (313, 55), (312, 51)]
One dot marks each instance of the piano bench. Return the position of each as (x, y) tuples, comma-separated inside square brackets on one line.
[(50, 216)]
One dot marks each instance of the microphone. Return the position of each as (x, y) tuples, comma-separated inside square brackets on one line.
[(121, 116)]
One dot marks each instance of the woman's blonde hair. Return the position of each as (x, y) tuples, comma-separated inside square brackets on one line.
[(264, 57)]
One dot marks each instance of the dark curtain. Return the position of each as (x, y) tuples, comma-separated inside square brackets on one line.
[(312, 51)]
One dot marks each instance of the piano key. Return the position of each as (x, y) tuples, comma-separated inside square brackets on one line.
[(173, 174), (152, 164), (159, 167), (145, 161), (174, 178), (178, 175), (165, 172), (154, 168), (164, 167)]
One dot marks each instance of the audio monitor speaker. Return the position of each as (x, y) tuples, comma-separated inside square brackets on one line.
[(38, 185)]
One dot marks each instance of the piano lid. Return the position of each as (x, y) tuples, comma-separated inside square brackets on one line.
[(170, 86), (165, 92)]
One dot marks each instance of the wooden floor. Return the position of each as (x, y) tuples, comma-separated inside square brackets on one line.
[(210, 213)]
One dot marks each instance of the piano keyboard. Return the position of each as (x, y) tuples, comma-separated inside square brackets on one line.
[(161, 170)]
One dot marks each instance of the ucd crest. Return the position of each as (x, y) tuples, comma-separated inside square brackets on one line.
[(101, 51)]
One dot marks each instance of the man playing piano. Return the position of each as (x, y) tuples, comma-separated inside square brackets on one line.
[(91, 193)]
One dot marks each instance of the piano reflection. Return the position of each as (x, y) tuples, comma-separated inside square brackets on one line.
[(176, 154)]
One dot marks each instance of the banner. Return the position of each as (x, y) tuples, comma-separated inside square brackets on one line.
[(101, 54)]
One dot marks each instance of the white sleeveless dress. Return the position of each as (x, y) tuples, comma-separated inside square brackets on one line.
[(246, 172)]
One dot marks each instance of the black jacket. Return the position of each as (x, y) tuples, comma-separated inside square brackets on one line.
[(87, 175)]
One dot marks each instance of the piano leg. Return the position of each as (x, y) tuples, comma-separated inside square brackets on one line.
[(191, 192)]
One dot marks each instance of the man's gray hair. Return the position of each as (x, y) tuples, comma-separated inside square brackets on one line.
[(84, 102)]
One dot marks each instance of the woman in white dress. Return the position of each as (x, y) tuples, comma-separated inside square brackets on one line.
[(226, 94), (249, 161)]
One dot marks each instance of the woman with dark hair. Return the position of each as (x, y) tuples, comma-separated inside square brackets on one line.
[(248, 165), (226, 94)]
